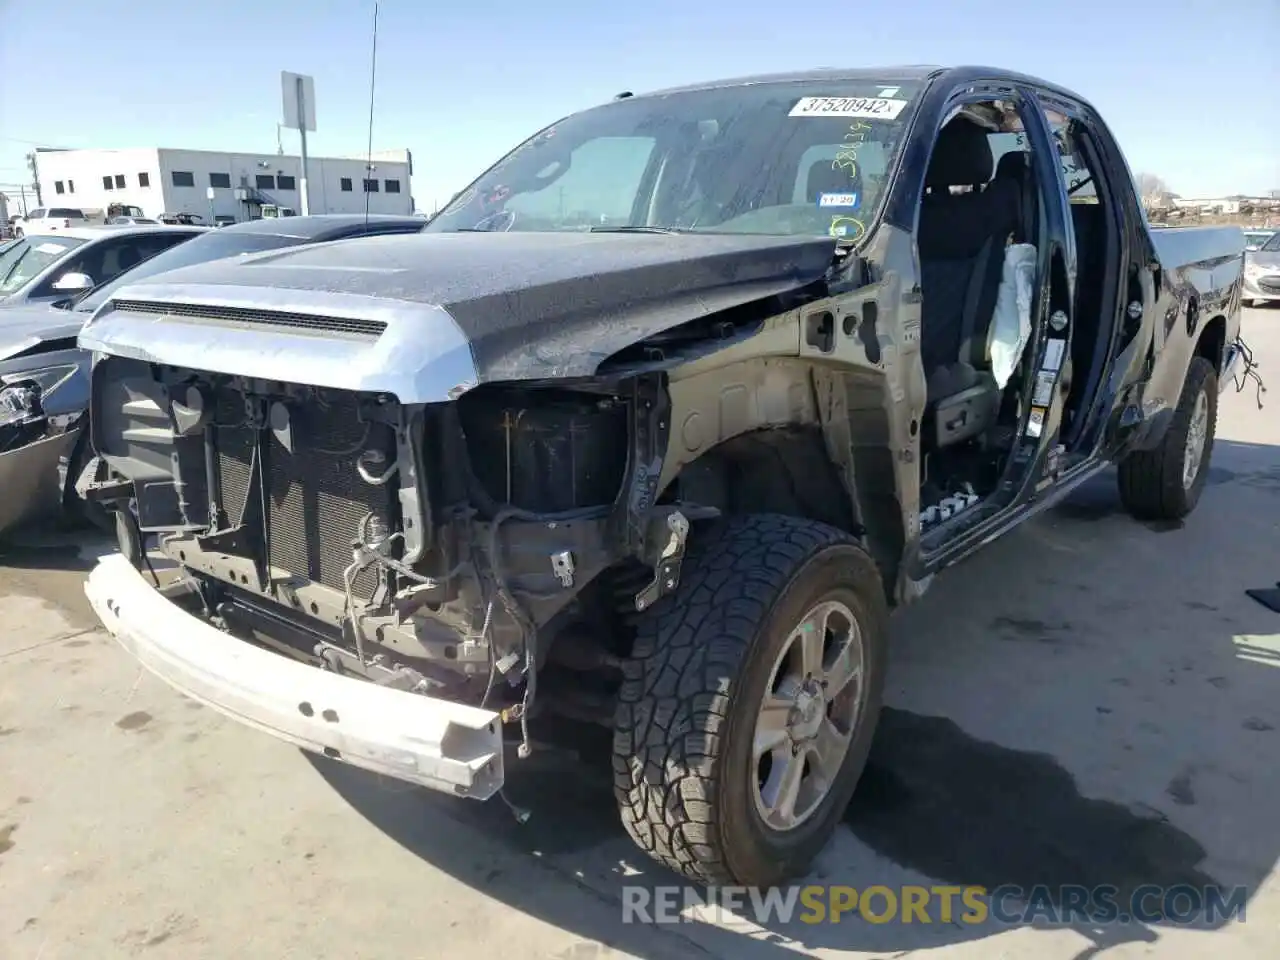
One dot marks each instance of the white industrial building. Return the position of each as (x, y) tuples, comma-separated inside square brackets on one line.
[(160, 180)]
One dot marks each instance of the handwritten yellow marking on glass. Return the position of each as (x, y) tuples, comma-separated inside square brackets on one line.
[(847, 158), (847, 228)]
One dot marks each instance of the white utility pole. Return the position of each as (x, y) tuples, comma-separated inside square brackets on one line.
[(300, 114), (302, 137)]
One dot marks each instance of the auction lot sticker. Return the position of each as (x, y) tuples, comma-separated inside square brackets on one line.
[(870, 108)]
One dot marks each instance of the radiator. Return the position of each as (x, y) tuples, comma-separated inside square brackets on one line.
[(315, 498)]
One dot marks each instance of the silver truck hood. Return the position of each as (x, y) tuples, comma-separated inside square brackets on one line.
[(426, 316)]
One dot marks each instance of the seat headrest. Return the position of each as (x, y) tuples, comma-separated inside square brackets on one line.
[(961, 157), (128, 256), (824, 177), (1012, 166)]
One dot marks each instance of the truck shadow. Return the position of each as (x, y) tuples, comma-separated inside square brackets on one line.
[(51, 548), (1082, 704)]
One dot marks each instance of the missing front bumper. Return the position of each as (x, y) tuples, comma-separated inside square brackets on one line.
[(435, 743)]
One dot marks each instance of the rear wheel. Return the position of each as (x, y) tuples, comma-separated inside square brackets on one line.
[(1165, 483), (749, 703)]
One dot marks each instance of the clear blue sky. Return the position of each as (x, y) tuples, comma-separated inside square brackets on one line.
[(1189, 86)]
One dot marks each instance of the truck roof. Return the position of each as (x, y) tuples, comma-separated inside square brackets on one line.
[(889, 74)]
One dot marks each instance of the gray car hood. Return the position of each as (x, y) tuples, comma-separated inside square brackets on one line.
[(25, 328), (447, 311)]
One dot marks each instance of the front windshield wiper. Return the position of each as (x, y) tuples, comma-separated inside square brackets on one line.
[(642, 229)]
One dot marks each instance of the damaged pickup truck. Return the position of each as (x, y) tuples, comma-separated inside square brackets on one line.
[(651, 428)]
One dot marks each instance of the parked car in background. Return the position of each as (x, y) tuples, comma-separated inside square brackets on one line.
[(49, 267), (1262, 272), (44, 378), (186, 219), (49, 220), (116, 210), (223, 220)]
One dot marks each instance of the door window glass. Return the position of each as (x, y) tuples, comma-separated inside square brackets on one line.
[(1081, 187)]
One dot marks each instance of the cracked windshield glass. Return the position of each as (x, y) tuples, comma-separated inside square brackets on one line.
[(776, 158)]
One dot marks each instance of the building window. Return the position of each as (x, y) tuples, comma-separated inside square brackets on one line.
[(71, 186), (346, 184), (265, 181), (183, 178), (144, 179), (286, 182), (370, 186), (106, 183), (220, 180), (119, 181), (57, 186), (393, 186)]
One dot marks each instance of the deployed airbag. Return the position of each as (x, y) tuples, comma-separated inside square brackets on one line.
[(1011, 325)]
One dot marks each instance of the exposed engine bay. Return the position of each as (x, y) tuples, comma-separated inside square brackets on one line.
[(437, 548)]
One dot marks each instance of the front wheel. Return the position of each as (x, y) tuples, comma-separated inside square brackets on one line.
[(80, 510), (750, 699), (1165, 483)]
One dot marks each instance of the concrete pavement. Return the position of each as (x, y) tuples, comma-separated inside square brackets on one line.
[(1087, 701)]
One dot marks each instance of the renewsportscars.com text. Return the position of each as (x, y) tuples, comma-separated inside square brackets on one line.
[(1010, 905)]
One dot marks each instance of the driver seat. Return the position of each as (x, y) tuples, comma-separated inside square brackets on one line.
[(961, 240)]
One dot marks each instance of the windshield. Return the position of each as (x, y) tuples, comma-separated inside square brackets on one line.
[(200, 249), (24, 259), (787, 158)]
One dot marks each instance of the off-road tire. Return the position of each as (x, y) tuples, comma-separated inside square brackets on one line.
[(684, 724), (1151, 481)]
